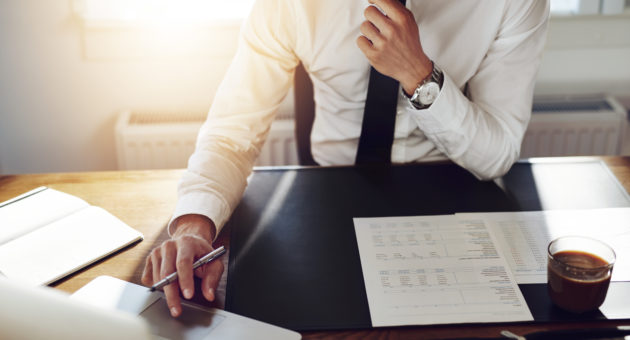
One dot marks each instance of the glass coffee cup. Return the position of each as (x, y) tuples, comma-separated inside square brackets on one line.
[(578, 272)]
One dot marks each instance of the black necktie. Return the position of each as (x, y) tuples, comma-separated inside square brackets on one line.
[(379, 119)]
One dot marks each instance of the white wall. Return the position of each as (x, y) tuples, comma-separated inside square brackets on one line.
[(59, 99), (587, 54), (58, 108)]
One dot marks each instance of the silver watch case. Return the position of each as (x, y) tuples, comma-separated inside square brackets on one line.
[(427, 91)]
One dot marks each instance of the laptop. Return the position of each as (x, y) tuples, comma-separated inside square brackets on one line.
[(195, 322), (109, 308), (29, 312)]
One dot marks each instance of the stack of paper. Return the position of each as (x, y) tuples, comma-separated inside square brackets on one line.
[(466, 267)]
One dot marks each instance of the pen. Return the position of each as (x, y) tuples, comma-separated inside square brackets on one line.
[(203, 260), (619, 332)]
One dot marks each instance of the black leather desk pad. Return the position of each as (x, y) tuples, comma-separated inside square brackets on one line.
[(294, 259)]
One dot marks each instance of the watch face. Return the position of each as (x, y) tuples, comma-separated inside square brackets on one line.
[(428, 92)]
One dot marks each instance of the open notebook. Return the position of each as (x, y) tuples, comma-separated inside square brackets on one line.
[(46, 235)]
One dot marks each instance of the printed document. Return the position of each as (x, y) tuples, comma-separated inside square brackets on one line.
[(524, 237), (435, 270)]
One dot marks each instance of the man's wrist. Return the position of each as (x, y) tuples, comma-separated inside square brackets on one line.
[(195, 224), (416, 76)]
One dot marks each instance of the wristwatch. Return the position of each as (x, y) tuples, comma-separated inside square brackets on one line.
[(428, 90)]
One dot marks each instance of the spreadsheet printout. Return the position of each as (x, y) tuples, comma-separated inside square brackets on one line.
[(435, 270), (524, 236)]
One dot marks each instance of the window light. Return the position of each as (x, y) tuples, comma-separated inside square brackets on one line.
[(162, 12)]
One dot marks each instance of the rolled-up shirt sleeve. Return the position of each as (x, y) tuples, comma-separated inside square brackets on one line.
[(245, 104), (482, 130)]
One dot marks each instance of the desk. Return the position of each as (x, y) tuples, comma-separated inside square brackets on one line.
[(145, 200)]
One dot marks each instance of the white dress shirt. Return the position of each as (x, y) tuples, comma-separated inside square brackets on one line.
[(489, 51)]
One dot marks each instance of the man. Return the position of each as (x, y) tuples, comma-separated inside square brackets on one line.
[(480, 57)]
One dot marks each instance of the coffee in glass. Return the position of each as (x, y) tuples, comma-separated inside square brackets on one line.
[(578, 272)]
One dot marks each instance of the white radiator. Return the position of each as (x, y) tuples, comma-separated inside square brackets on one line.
[(165, 140), (574, 127), (559, 127)]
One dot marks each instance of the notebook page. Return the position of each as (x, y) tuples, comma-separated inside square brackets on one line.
[(21, 216), (62, 247)]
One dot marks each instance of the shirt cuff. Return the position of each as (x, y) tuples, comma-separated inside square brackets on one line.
[(447, 111), (211, 206)]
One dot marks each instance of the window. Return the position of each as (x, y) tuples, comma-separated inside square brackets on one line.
[(124, 29), (149, 13)]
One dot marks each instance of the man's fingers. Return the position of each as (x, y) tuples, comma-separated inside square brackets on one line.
[(210, 275), (392, 8), (190, 241), (147, 273), (376, 17), (156, 260), (185, 271), (365, 45), (371, 32), (168, 251), (173, 301)]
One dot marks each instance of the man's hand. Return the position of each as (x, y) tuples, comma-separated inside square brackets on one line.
[(191, 240), (391, 42)]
